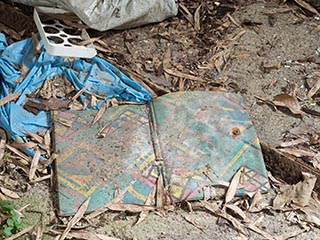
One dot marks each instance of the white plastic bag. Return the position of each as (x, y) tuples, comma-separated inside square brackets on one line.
[(113, 14)]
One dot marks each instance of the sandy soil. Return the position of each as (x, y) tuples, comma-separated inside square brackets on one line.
[(251, 68)]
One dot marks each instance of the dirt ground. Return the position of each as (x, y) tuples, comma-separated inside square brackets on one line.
[(257, 49)]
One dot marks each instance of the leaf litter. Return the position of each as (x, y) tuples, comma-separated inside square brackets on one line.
[(187, 78)]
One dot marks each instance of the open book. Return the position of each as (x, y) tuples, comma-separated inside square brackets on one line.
[(190, 144)]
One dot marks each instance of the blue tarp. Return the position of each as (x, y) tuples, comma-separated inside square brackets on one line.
[(103, 79)]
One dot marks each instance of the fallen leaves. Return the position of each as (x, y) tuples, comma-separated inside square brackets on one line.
[(21, 233), (298, 194), (133, 208), (99, 114), (284, 100), (76, 218), (307, 6), (175, 72), (3, 140), (9, 193), (315, 88), (81, 234), (288, 101), (34, 165), (233, 186)]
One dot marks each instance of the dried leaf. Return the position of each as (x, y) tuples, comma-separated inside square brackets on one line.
[(278, 10), (235, 22), (297, 152), (104, 208), (47, 139), (146, 83), (34, 164), (9, 193), (85, 235), (36, 137), (9, 98), (104, 237), (3, 197), (236, 210), (19, 153), (10, 32), (214, 208), (149, 201), (291, 234), (24, 145), (112, 102), (299, 194), (193, 222), (133, 208), (103, 132), (311, 218), (261, 232), (258, 221), (101, 49), (233, 186), (186, 13), (36, 44), (3, 140), (64, 122), (257, 197), (40, 231), (40, 179), (19, 211), (293, 142), (288, 101), (23, 73), (197, 26), (274, 180), (175, 72), (307, 6), (99, 114), (21, 233), (160, 191), (80, 92), (93, 101), (89, 41), (314, 89), (311, 111), (76, 218)]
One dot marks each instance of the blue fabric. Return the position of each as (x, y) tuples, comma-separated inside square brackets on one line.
[(102, 77)]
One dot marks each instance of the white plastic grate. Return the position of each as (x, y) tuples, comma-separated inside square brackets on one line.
[(59, 39)]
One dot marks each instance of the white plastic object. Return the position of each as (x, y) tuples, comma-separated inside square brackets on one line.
[(58, 41)]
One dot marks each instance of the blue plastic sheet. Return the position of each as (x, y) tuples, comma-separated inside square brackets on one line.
[(102, 77)]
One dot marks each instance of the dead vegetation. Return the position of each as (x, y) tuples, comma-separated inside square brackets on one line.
[(188, 52)]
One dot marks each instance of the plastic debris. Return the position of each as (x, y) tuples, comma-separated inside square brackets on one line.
[(105, 15), (23, 71), (59, 42)]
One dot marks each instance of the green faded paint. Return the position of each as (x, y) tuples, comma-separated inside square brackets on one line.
[(192, 138)]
